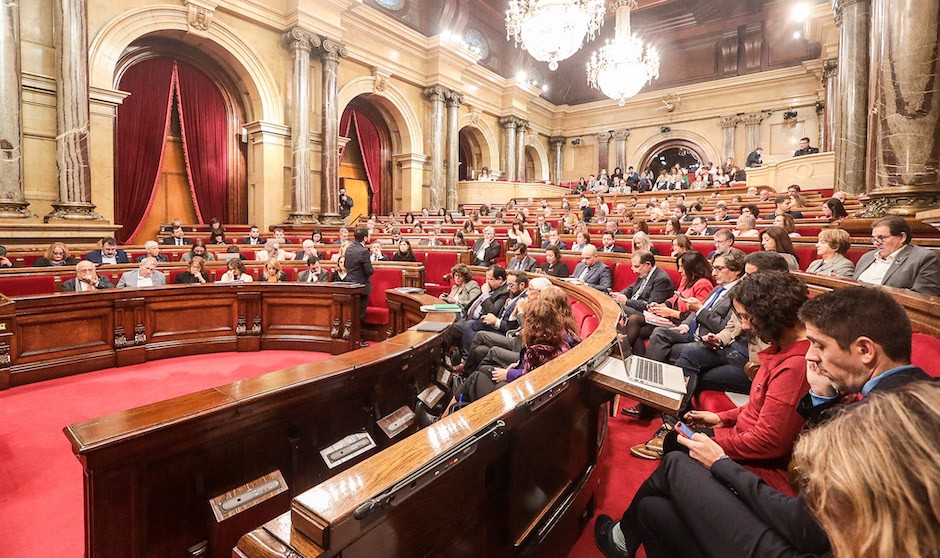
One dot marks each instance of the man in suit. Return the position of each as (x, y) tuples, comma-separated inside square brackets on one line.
[(785, 205), (343, 236), (493, 296), (861, 342), (309, 249), (611, 226), (522, 261), (592, 271), (432, 239), (153, 251), (314, 272), (86, 279), (543, 226), (254, 236), (554, 240), (108, 254), (895, 262), (345, 204), (708, 316), (359, 267), (652, 284), (486, 249), (805, 148), (608, 246), (699, 227), (144, 276), (516, 284), (177, 239), (754, 159), (721, 212), (724, 241)]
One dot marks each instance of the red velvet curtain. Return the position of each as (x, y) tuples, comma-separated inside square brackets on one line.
[(204, 120), (143, 125), (371, 147)]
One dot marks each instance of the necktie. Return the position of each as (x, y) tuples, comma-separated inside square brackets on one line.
[(584, 273), (646, 280), (693, 327)]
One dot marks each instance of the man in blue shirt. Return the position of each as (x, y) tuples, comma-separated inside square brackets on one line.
[(860, 341)]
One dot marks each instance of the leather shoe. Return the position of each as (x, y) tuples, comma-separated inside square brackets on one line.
[(656, 442), (639, 411), (603, 537), (643, 452)]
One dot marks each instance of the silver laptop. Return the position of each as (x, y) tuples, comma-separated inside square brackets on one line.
[(652, 372)]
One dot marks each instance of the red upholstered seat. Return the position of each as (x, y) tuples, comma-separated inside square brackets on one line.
[(805, 255), (925, 353), (25, 286), (674, 273), (382, 280), (581, 312), (30, 259), (624, 276), (714, 401), (590, 324), (174, 273)]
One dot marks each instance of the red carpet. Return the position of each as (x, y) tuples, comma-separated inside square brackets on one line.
[(40, 479)]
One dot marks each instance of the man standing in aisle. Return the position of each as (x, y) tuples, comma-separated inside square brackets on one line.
[(359, 267)]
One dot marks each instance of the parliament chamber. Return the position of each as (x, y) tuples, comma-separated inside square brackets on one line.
[(230, 178)]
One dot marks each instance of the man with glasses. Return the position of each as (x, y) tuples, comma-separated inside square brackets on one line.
[(86, 279), (895, 262), (486, 249), (724, 241), (699, 227), (592, 271), (493, 297), (652, 285)]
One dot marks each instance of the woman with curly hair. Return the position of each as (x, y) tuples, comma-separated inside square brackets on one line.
[(57, 255)]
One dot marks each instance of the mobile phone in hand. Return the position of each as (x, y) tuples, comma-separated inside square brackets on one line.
[(684, 430)]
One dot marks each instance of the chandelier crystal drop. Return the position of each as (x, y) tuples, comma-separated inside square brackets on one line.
[(623, 66), (553, 30)]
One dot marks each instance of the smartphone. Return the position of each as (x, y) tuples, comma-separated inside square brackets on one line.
[(681, 428)]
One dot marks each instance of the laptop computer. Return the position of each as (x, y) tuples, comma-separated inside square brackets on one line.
[(652, 372)]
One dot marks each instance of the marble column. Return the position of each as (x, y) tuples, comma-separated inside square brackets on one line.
[(603, 150), (852, 17), (521, 128), (300, 43), (904, 125), (454, 100), (70, 19), (620, 137), (330, 51), (830, 71), (508, 124), (557, 143), (752, 129), (728, 125), (12, 197), (436, 96)]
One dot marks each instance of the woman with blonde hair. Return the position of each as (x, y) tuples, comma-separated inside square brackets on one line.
[(831, 248), (57, 255), (272, 272), (642, 243)]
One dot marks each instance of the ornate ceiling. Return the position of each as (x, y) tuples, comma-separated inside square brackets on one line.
[(698, 40)]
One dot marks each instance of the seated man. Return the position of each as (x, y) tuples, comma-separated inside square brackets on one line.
[(486, 249), (860, 342), (108, 254), (652, 284), (724, 241), (254, 236), (699, 227), (895, 262), (709, 316), (343, 236), (592, 271), (608, 245), (493, 297), (86, 279), (309, 250), (153, 251), (784, 205), (280, 238), (5, 262), (177, 239), (145, 276), (314, 272), (432, 239), (554, 240)]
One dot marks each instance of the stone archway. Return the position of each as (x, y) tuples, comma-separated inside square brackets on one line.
[(695, 143), (670, 146), (539, 161)]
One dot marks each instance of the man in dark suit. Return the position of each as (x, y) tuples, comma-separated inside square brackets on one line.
[(254, 237), (86, 279), (895, 262), (699, 227), (152, 249), (359, 267), (861, 342), (785, 205), (345, 204), (805, 148), (708, 316), (177, 238), (314, 272), (554, 240), (493, 296), (754, 159), (608, 246), (724, 241), (108, 254), (652, 284), (486, 249), (592, 271)]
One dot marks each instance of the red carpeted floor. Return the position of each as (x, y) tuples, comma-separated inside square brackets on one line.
[(41, 481), (40, 478)]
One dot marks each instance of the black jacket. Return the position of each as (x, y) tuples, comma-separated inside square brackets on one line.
[(358, 266), (819, 413)]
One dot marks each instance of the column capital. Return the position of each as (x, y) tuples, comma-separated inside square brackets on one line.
[(436, 93), (299, 39), (728, 121), (508, 122), (557, 140), (621, 135), (838, 8), (522, 125), (331, 50), (830, 69), (454, 98), (604, 137), (752, 119)]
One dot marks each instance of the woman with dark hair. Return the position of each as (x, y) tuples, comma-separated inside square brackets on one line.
[(673, 227), (785, 221), (198, 249), (582, 239), (449, 219), (340, 273), (217, 238), (553, 265), (195, 274), (459, 239), (776, 239), (518, 235), (418, 228), (317, 236), (833, 210), (216, 230), (409, 218), (680, 245), (465, 289), (236, 272), (441, 212), (640, 225), (404, 252), (469, 227)]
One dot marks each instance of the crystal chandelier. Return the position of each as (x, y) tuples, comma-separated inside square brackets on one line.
[(553, 30), (622, 67)]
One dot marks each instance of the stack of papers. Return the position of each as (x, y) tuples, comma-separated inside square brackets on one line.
[(441, 308)]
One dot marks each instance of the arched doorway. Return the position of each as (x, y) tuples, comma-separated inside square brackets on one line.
[(366, 159), (474, 151), (665, 155), (178, 151)]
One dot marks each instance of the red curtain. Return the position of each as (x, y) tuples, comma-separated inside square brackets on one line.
[(204, 120), (371, 148), (143, 126)]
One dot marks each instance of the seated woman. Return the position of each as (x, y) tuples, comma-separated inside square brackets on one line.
[(458, 239), (518, 235), (548, 330), (465, 289), (57, 255), (831, 248), (553, 265), (340, 273), (785, 221), (680, 245), (217, 238), (468, 227), (215, 228), (852, 503), (236, 272), (673, 227), (198, 249), (745, 227), (195, 274), (834, 210), (695, 282), (581, 241), (640, 225), (409, 218), (449, 219), (273, 272), (642, 243), (775, 239), (418, 228), (404, 252), (571, 220)]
